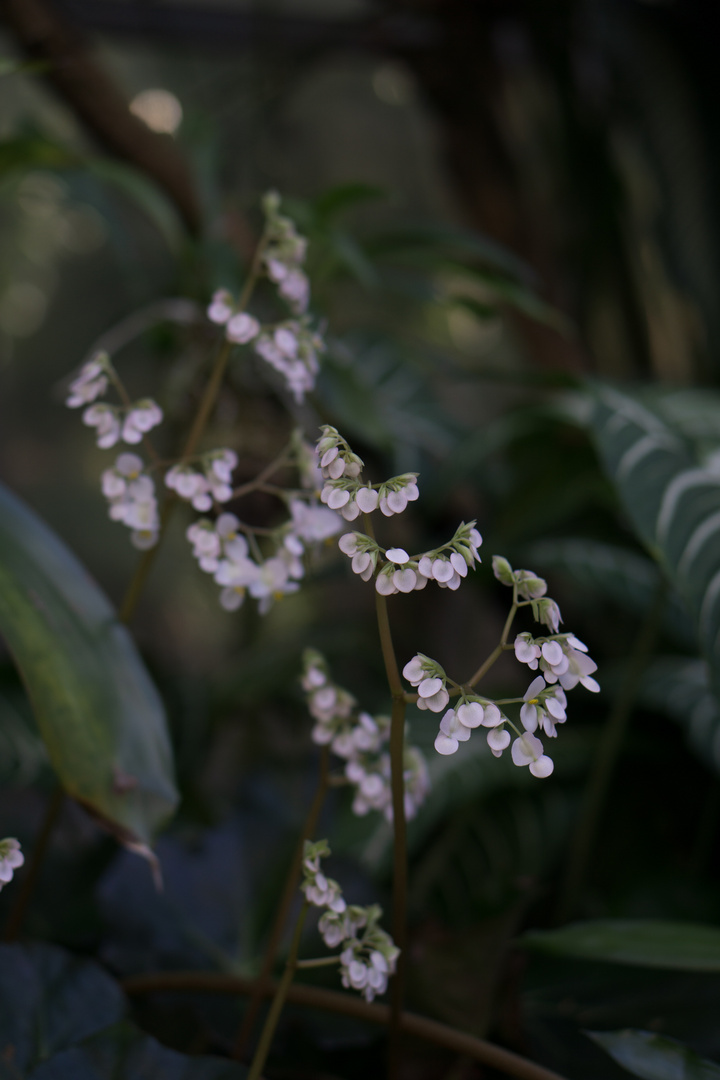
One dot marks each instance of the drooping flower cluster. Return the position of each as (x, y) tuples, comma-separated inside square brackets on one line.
[(11, 859), (360, 739), (223, 551), (131, 495), (211, 482), (284, 255), (561, 658), (113, 423), (344, 491), (369, 954), (291, 347)]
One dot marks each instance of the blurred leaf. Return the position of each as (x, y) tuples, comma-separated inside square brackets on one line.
[(144, 193), (34, 151), (646, 942), (9, 65), (124, 1052), (672, 499), (336, 200), (679, 687), (22, 752), (100, 715), (434, 239), (50, 1000), (626, 577), (654, 1057)]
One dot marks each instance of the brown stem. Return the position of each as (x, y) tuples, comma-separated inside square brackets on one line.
[(499, 648), (28, 880), (400, 873), (281, 916), (313, 997)]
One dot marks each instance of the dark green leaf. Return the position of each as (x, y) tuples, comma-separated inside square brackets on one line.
[(344, 197), (646, 942), (100, 715), (50, 1000), (144, 193), (672, 497), (679, 687), (653, 1057), (124, 1052)]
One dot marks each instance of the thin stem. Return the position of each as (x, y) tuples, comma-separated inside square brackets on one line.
[(281, 916), (322, 961), (606, 759), (273, 1016), (499, 648), (397, 783), (315, 997), (28, 880)]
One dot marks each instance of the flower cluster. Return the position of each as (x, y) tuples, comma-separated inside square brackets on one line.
[(343, 489), (240, 327), (369, 955), (211, 482), (11, 859), (284, 254), (292, 348), (222, 550), (562, 658), (360, 739), (113, 423), (131, 495)]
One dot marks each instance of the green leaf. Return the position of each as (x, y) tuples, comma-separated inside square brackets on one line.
[(671, 495), (434, 239), (99, 713), (145, 193), (344, 197), (653, 943), (654, 1057), (49, 1000), (625, 577), (125, 1052), (679, 687)]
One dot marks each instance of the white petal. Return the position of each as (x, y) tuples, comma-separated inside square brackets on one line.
[(445, 745)]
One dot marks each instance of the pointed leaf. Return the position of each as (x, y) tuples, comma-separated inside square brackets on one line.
[(654, 1057), (680, 688), (653, 943), (99, 713)]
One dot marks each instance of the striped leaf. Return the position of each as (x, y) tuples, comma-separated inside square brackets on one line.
[(670, 489)]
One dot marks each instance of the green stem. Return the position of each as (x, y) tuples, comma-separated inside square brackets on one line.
[(606, 759), (400, 875), (322, 961), (281, 916), (273, 1016), (499, 648)]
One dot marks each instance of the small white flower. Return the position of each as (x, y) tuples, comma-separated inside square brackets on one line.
[(141, 418), (106, 421), (242, 328), (220, 308), (90, 384)]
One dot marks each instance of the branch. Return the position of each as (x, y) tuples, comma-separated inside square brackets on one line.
[(316, 998), (98, 103)]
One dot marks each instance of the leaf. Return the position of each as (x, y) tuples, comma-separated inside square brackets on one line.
[(672, 498), (626, 577), (650, 943), (336, 200), (654, 1057), (680, 688), (433, 239), (49, 1000), (125, 1052), (144, 193), (99, 713)]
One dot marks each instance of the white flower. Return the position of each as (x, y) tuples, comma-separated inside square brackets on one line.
[(220, 308), (528, 750), (242, 328), (106, 420), (142, 417), (295, 288), (547, 612), (11, 859), (313, 523), (90, 383), (131, 494)]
